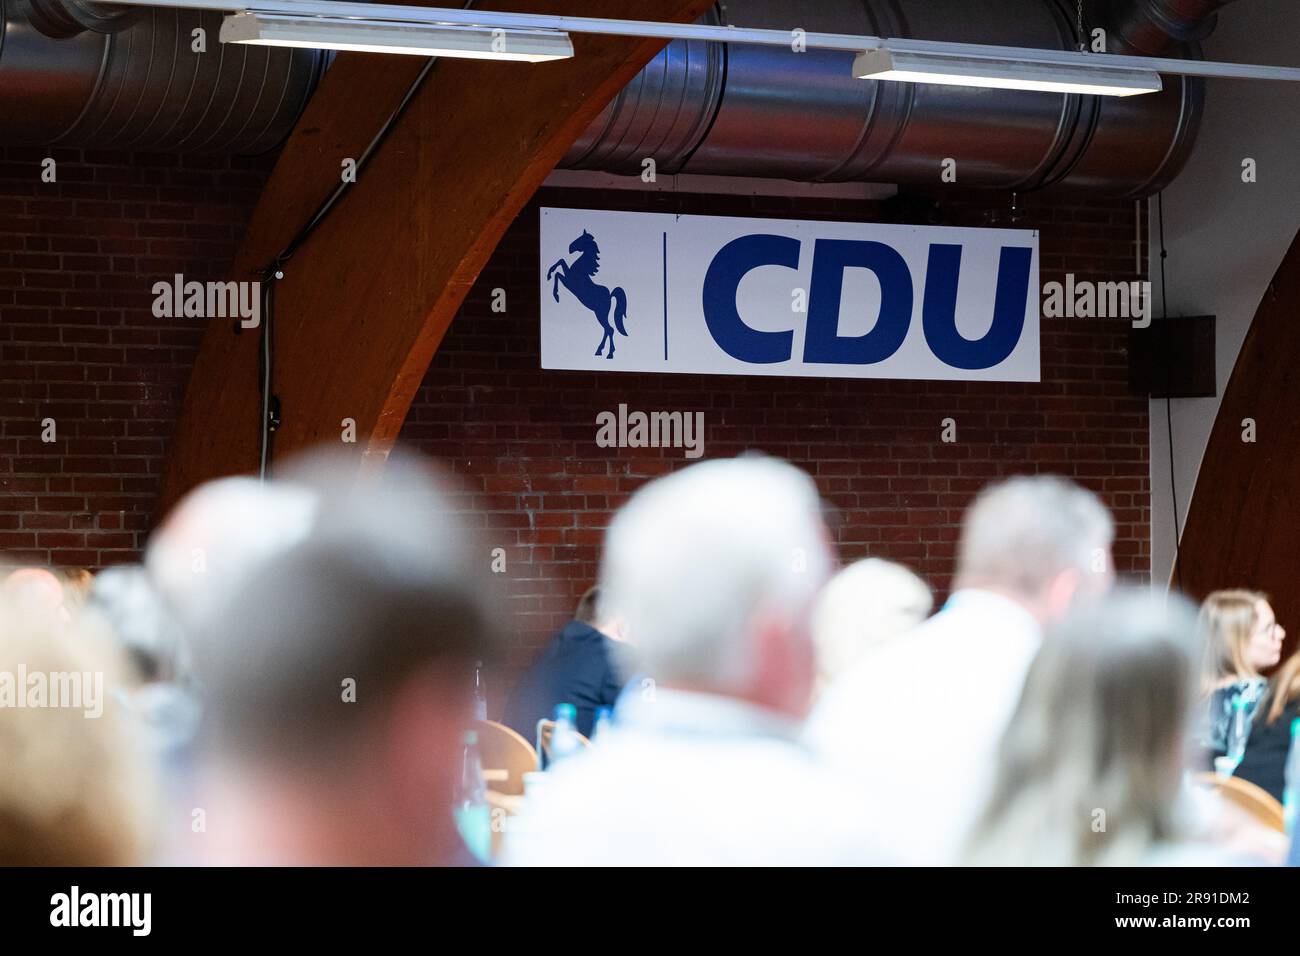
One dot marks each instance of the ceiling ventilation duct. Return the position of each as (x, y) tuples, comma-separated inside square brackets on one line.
[(733, 110), (80, 73), (1155, 27), (77, 73), (67, 18)]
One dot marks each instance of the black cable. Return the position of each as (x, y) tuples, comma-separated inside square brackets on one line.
[(275, 271), (1169, 419), (325, 207), (269, 419)]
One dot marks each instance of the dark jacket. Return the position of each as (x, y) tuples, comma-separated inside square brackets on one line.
[(1266, 751), (1218, 715), (577, 667)]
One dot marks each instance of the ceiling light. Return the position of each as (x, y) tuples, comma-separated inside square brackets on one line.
[(376, 36), (885, 64)]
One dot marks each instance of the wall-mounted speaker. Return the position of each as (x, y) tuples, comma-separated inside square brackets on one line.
[(1173, 358)]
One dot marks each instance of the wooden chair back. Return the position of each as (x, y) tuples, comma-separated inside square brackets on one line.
[(1261, 805), (506, 757)]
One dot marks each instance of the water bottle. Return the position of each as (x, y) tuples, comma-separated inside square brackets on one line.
[(1291, 795), (564, 738), (473, 815), (480, 693), (604, 716)]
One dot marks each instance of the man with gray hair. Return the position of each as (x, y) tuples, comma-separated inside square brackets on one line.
[(714, 569), (337, 657), (918, 724)]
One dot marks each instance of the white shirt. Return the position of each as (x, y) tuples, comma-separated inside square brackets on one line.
[(918, 721), (689, 779)]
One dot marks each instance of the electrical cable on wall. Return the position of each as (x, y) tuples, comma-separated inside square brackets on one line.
[(1169, 420), (274, 272)]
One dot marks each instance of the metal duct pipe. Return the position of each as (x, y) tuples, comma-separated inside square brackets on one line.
[(130, 80), (67, 18), (731, 109), (1154, 27), (138, 84)]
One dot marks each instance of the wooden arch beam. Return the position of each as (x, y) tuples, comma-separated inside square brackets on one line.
[(366, 301), (1241, 526)]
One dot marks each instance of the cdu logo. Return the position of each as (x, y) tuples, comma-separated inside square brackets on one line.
[(576, 277), (725, 295), (823, 343)]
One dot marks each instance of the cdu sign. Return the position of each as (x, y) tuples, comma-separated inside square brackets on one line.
[(650, 292)]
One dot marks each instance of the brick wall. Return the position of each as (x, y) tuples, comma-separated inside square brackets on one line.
[(523, 439), (79, 343)]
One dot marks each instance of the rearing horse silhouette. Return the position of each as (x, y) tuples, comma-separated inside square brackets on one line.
[(577, 279)]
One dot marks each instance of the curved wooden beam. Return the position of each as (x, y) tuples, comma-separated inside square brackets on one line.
[(365, 303), (1242, 524)]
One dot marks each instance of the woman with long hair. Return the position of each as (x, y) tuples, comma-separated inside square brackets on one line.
[(1090, 768), (1242, 640)]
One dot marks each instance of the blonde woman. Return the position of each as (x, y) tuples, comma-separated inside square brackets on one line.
[(1242, 639)]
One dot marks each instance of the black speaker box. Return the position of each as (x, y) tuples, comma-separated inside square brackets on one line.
[(1173, 358)]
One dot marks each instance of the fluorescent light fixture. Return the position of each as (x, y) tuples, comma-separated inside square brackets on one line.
[(1098, 80), (342, 10), (377, 36)]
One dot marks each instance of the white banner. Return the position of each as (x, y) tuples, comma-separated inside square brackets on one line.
[(655, 292)]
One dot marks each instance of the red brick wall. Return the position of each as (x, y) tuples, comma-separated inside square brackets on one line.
[(79, 343), (523, 439)]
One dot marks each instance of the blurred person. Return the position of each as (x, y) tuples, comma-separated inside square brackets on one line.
[(336, 665), (197, 558), (37, 591), (864, 605), (75, 789), (1264, 762), (160, 692), (77, 583), (582, 665), (1090, 770), (714, 569), (220, 533), (1242, 639), (917, 723)]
